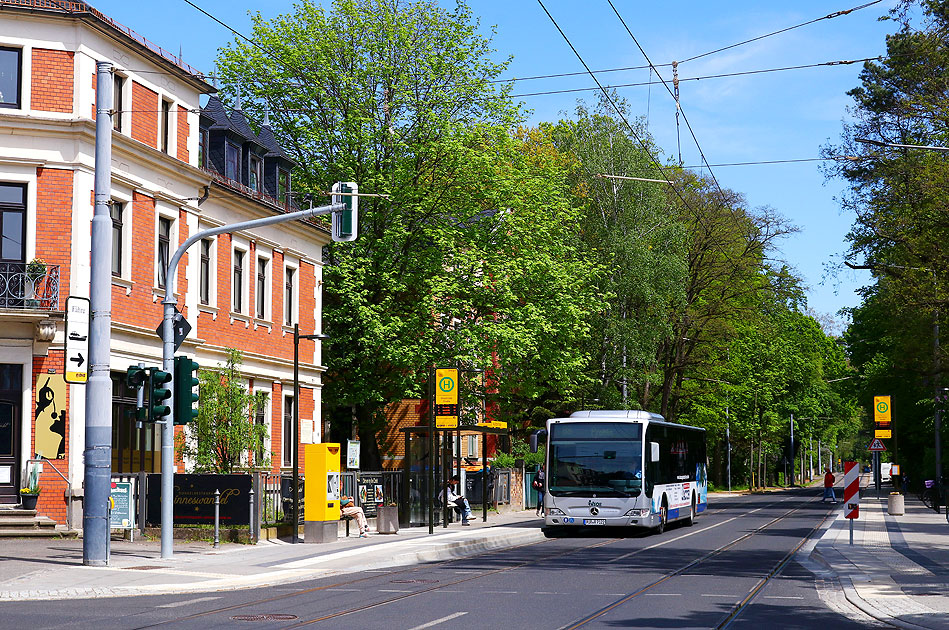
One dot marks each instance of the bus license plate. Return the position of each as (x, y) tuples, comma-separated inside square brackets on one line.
[(594, 521)]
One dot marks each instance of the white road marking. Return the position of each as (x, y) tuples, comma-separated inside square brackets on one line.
[(664, 594), (438, 621), (352, 590), (782, 597), (393, 590), (501, 592), (187, 602), (692, 533), (716, 595)]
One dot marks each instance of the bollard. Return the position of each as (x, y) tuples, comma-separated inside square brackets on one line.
[(217, 519), (250, 524), (894, 505)]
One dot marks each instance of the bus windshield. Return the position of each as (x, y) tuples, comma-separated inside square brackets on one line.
[(595, 458)]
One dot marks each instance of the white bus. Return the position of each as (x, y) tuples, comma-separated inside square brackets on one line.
[(622, 469)]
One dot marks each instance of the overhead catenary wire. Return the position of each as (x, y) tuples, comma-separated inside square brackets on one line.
[(678, 105)]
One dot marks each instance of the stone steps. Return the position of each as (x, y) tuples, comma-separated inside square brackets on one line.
[(16, 523)]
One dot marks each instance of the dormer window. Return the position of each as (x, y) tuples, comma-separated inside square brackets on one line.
[(204, 142), (283, 187), (256, 174), (232, 161)]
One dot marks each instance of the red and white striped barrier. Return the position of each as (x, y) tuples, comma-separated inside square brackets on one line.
[(851, 490)]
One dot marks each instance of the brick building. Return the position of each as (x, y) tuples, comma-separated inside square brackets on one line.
[(177, 167)]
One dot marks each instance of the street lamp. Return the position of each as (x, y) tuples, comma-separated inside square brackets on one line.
[(295, 452)]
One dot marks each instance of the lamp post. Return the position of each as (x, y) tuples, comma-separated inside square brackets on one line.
[(295, 452)]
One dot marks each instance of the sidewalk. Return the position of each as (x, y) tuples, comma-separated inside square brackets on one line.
[(53, 569), (897, 570)]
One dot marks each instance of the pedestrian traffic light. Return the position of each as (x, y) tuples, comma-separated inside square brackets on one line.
[(135, 377), (158, 393), (345, 222), (186, 379)]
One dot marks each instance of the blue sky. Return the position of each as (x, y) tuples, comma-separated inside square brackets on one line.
[(761, 117)]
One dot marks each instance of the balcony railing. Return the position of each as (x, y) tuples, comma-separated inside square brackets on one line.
[(29, 289)]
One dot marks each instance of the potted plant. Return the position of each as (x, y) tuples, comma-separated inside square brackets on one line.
[(35, 272), (29, 495)]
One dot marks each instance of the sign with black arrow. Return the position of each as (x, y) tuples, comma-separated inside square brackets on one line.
[(180, 326), (77, 340)]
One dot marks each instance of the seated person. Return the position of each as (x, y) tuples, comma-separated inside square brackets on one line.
[(449, 497), (349, 508)]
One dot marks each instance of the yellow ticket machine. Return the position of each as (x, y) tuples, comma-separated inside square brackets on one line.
[(321, 492)]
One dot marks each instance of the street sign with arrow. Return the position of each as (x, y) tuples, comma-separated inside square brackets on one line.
[(77, 340)]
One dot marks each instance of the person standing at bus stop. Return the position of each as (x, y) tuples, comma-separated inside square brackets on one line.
[(829, 486), (540, 479)]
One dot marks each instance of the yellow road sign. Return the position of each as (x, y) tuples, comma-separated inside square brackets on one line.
[(446, 422), (446, 386), (883, 434), (881, 408)]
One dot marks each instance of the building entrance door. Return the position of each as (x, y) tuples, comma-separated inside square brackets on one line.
[(11, 393)]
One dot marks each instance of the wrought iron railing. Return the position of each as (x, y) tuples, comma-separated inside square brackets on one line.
[(29, 287)]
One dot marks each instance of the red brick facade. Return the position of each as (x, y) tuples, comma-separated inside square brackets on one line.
[(54, 199), (144, 115), (183, 130), (52, 82)]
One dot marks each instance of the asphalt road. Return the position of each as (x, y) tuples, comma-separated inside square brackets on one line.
[(737, 567)]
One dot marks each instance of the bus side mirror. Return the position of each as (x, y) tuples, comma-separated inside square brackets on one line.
[(536, 438), (654, 452)]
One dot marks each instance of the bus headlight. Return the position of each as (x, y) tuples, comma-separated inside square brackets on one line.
[(638, 512), (554, 512)]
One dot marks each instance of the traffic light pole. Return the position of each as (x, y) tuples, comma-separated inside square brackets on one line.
[(168, 352)]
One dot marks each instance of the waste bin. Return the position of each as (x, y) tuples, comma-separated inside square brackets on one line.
[(894, 504)]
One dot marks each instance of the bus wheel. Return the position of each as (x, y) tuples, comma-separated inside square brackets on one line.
[(663, 518), (691, 520), (552, 532)]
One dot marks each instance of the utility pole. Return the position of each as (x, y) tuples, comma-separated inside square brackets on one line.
[(97, 457)]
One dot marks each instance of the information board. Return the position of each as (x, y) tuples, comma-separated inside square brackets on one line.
[(122, 515), (370, 494)]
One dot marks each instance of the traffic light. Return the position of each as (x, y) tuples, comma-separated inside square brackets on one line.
[(186, 379), (158, 393), (135, 377), (345, 222)]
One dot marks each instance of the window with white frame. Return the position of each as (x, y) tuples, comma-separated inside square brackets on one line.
[(11, 68), (471, 443), (262, 418), (232, 161), (287, 450), (117, 212), (262, 289), (118, 89), (237, 281), (206, 270), (163, 249), (255, 175), (164, 126), (290, 295)]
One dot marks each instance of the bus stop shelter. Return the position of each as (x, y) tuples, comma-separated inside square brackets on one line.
[(429, 464)]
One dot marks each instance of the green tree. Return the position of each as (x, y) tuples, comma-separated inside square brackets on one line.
[(225, 437), (898, 197), (470, 260)]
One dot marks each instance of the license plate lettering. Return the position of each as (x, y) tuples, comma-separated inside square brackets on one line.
[(594, 521)]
